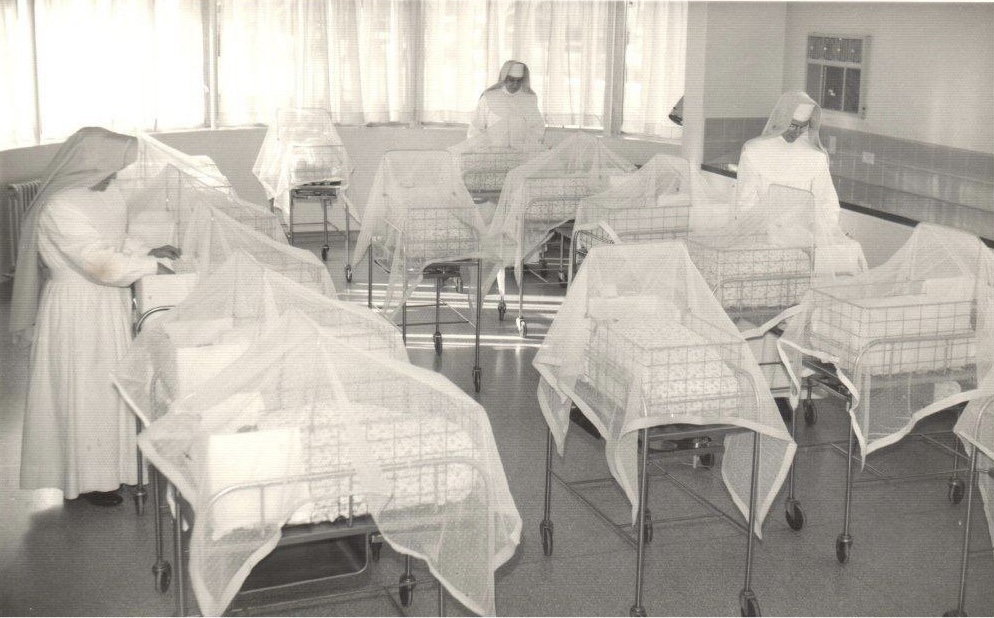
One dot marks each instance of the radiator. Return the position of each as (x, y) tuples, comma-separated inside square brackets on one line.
[(17, 198)]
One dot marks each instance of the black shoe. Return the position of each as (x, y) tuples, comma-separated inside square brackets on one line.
[(103, 498)]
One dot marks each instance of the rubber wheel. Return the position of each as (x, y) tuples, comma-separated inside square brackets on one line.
[(955, 612), (810, 413), (163, 577), (648, 526), (522, 327), (546, 530), (707, 461), (842, 549), (437, 338), (140, 497), (562, 279), (324, 254), (955, 491), (406, 590), (501, 310), (749, 605), (377, 547), (348, 273), (795, 516), (477, 378), (637, 610)]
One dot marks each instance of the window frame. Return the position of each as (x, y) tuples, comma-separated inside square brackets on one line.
[(823, 63)]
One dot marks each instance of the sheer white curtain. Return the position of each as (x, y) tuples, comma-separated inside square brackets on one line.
[(655, 61), (120, 64), (17, 86), (562, 42), (352, 57)]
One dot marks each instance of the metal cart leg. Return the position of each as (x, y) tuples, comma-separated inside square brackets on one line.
[(794, 514), (955, 483), (637, 608), (748, 604), (140, 492), (324, 220), (403, 322), (406, 584), (369, 284), (290, 233), (546, 526), (477, 371), (161, 570), (348, 244), (522, 325), (178, 558), (965, 563), (437, 337), (441, 599), (562, 261), (843, 545)]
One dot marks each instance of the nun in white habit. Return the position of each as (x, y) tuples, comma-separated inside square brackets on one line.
[(789, 153), (507, 115), (71, 301)]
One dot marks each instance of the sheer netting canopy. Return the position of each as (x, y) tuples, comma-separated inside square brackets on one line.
[(304, 427), (419, 212), (217, 321), (761, 264), (545, 192), (640, 341), (908, 338), (976, 428), (185, 199), (654, 203), (302, 147)]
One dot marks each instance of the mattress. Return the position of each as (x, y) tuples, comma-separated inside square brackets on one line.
[(431, 233), (552, 200), (676, 370), (936, 330), (754, 275), (415, 457), (154, 291), (486, 171)]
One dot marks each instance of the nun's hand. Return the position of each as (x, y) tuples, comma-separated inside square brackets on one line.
[(166, 251)]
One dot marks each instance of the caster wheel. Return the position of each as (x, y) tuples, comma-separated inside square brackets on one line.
[(707, 461), (955, 612), (348, 273), (377, 547), (810, 413), (955, 493), (437, 338), (562, 279), (543, 267), (163, 576), (843, 545), (324, 254), (648, 526), (748, 604), (795, 516), (546, 529), (477, 378), (637, 610), (501, 310), (522, 327), (406, 590)]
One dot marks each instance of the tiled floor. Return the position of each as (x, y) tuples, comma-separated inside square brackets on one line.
[(70, 558)]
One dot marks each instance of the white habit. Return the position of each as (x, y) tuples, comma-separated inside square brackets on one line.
[(78, 433), (508, 120)]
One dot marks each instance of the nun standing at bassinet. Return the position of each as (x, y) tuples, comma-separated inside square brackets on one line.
[(788, 152), (71, 301)]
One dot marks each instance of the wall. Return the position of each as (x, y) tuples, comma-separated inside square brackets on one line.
[(743, 73), (931, 67)]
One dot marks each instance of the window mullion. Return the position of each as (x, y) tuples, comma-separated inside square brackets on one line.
[(614, 87), (212, 49)]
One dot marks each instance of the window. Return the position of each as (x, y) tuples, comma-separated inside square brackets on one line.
[(147, 64), (836, 74)]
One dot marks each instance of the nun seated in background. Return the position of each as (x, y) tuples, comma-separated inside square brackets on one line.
[(71, 300), (507, 113), (506, 130)]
